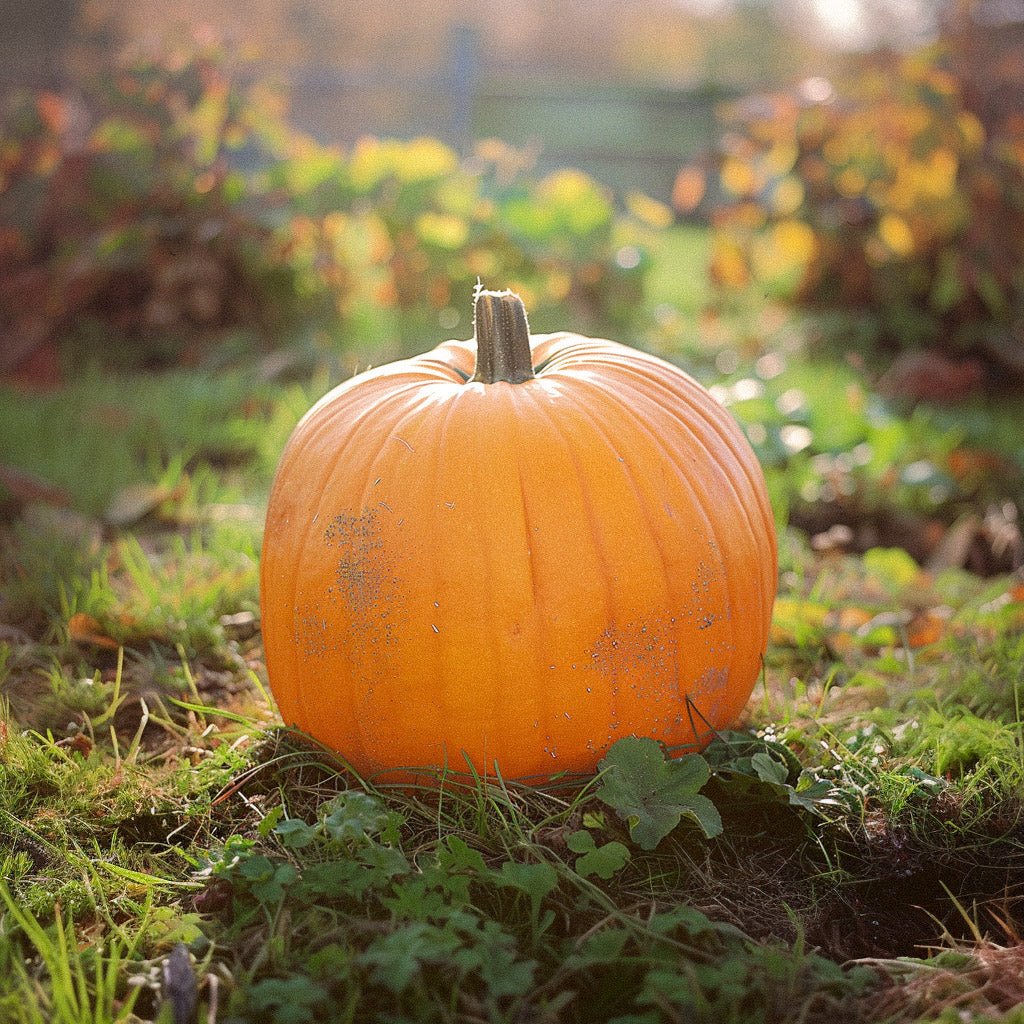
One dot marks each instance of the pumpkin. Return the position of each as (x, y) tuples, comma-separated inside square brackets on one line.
[(511, 552)]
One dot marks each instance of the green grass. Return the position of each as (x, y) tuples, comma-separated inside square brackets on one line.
[(188, 432), (870, 801)]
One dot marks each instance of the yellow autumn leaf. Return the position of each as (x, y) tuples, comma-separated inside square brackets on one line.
[(916, 118), (788, 195), (896, 234), (570, 186), (738, 177), (688, 190), (787, 247), (649, 210), (418, 160), (577, 198), (781, 158), (851, 182), (335, 227), (558, 285), (938, 174), (796, 622), (368, 163), (442, 230), (836, 151), (972, 131), (728, 266), (795, 239), (423, 159)]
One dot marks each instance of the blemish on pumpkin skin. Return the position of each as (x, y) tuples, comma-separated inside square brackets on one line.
[(635, 650), (360, 574), (638, 664), (365, 581), (311, 634), (711, 689)]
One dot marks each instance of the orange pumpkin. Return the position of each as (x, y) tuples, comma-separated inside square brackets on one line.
[(517, 565)]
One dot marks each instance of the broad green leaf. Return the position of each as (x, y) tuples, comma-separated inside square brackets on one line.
[(288, 1000), (455, 854), (602, 861), (355, 815), (295, 833), (692, 922), (603, 947), (653, 793), (769, 769), (536, 881), (395, 958)]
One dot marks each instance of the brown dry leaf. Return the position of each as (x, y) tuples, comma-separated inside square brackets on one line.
[(84, 629), (843, 625), (965, 463), (926, 628), (840, 644), (136, 501), (951, 552), (240, 625), (852, 618), (931, 376), (81, 743), (27, 487), (859, 697)]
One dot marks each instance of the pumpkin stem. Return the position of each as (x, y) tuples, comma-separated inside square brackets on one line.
[(502, 338)]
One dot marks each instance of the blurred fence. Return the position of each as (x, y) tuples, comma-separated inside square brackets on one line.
[(627, 137), (631, 137)]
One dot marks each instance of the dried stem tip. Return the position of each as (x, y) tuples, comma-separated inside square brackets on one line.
[(502, 338)]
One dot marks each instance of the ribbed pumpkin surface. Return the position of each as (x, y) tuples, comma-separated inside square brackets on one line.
[(521, 573)]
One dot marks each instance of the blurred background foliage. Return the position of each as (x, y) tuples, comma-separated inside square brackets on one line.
[(887, 194), (171, 205), (818, 209)]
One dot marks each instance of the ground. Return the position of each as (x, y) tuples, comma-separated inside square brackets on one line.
[(164, 840)]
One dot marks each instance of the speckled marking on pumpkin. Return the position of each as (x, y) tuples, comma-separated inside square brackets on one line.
[(636, 649), (710, 691), (360, 574), (311, 633), (367, 618), (701, 587), (640, 661), (637, 662), (365, 581)]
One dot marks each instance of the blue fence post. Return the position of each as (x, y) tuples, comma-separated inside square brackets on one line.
[(465, 64)]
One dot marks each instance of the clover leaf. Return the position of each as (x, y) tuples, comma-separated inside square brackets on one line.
[(653, 793), (602, 861)]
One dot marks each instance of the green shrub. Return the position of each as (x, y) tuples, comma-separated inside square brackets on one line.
[(887, 194), (176, 204), (419, 227), (130, 216)]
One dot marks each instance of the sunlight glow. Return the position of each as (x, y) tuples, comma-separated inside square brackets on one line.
[(843, 20)]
